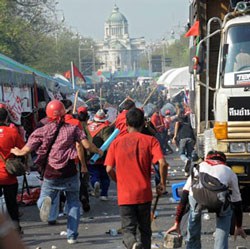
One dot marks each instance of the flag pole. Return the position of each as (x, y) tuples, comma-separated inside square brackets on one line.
[(72, 75)]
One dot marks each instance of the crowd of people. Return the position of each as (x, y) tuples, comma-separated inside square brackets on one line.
[(62, 144)]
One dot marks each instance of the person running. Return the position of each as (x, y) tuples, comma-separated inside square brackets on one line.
[(132, 172), (100, 130), (60, 170), (185, 138), (9, 138)]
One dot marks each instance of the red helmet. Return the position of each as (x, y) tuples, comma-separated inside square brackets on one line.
[(55, 109), (82, 109), (2, 105)]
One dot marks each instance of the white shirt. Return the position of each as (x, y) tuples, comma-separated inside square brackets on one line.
[(223, 173)]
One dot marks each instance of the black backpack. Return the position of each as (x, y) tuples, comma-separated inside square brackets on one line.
[(208, 191)]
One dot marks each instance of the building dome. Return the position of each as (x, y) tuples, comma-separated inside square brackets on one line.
[(116, 16)]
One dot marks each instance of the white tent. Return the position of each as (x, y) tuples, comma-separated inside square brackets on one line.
[(175, 79)]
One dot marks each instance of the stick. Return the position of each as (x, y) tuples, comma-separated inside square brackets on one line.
[(75, 101), (146, 100), (154, 207)]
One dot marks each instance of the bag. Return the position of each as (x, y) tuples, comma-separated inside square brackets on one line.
[(15, 166), (209, 192)]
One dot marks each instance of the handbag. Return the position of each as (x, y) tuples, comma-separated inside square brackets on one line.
[(15, 165)]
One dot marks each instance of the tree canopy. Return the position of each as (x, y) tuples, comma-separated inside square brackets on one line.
[(32, 33)]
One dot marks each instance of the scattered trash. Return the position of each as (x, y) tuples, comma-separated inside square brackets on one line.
[(159, 235), (63, 233), (112, 232), (172, 200), (53, 247), (155, 246), (156, 214)]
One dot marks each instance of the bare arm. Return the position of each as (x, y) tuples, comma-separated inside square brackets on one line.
[(91, 147), (111, 172), (163, 168), (81, 156), (20, 152), (176, 127)]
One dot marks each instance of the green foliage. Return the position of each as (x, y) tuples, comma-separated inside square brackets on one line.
[(32, 34)]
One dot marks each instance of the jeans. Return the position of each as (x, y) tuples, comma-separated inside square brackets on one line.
[(54, 211), (223, 221), (136, 217), (186, 147), (51, 187), (98, 173)]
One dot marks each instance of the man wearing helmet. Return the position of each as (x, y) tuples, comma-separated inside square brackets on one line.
[(214, 165), (99, 130), (60, 172)]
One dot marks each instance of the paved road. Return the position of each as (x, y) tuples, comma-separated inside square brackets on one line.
[(105, 215)]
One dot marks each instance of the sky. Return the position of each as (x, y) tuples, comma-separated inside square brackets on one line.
[(152, 19)]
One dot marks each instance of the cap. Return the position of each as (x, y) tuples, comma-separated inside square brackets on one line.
[(82, 109), (100, 116)]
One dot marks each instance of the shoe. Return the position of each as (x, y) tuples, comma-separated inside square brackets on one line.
[(97, 189), (137, 245), (104, 198), (85, 205), (45, 209), (72, 241), (52, 222)]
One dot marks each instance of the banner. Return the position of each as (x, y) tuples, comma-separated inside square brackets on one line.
[(18, 100)]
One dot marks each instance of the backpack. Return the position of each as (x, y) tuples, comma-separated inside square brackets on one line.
[(208, 191)]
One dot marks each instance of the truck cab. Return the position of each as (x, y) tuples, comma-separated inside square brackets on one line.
[(222, 91)]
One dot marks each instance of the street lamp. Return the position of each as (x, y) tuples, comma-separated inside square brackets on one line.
[(163, 55)]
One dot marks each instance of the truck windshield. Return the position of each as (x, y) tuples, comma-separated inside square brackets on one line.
[(237, 59)]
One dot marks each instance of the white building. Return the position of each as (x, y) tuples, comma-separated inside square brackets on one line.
[(118, 51)]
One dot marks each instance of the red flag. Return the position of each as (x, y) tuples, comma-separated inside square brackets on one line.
[(194, 30), (77, 73)]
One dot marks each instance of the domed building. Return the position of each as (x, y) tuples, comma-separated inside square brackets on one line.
[(119, 52)]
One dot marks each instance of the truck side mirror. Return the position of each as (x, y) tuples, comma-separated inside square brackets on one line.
[(196, 59)]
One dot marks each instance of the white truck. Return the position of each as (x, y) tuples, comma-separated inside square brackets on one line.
[(220, 91)]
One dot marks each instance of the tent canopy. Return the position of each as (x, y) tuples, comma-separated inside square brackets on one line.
[(175, 78)]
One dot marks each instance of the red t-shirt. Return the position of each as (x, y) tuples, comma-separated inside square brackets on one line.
[(132, 156), (157, 121), (120, 123), (9, 138)]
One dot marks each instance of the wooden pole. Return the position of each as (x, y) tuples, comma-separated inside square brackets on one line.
[(75, 101), (149, 96)]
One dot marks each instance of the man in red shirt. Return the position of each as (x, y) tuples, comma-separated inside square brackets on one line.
[(120, 122), (132, 172), (9, 138)]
